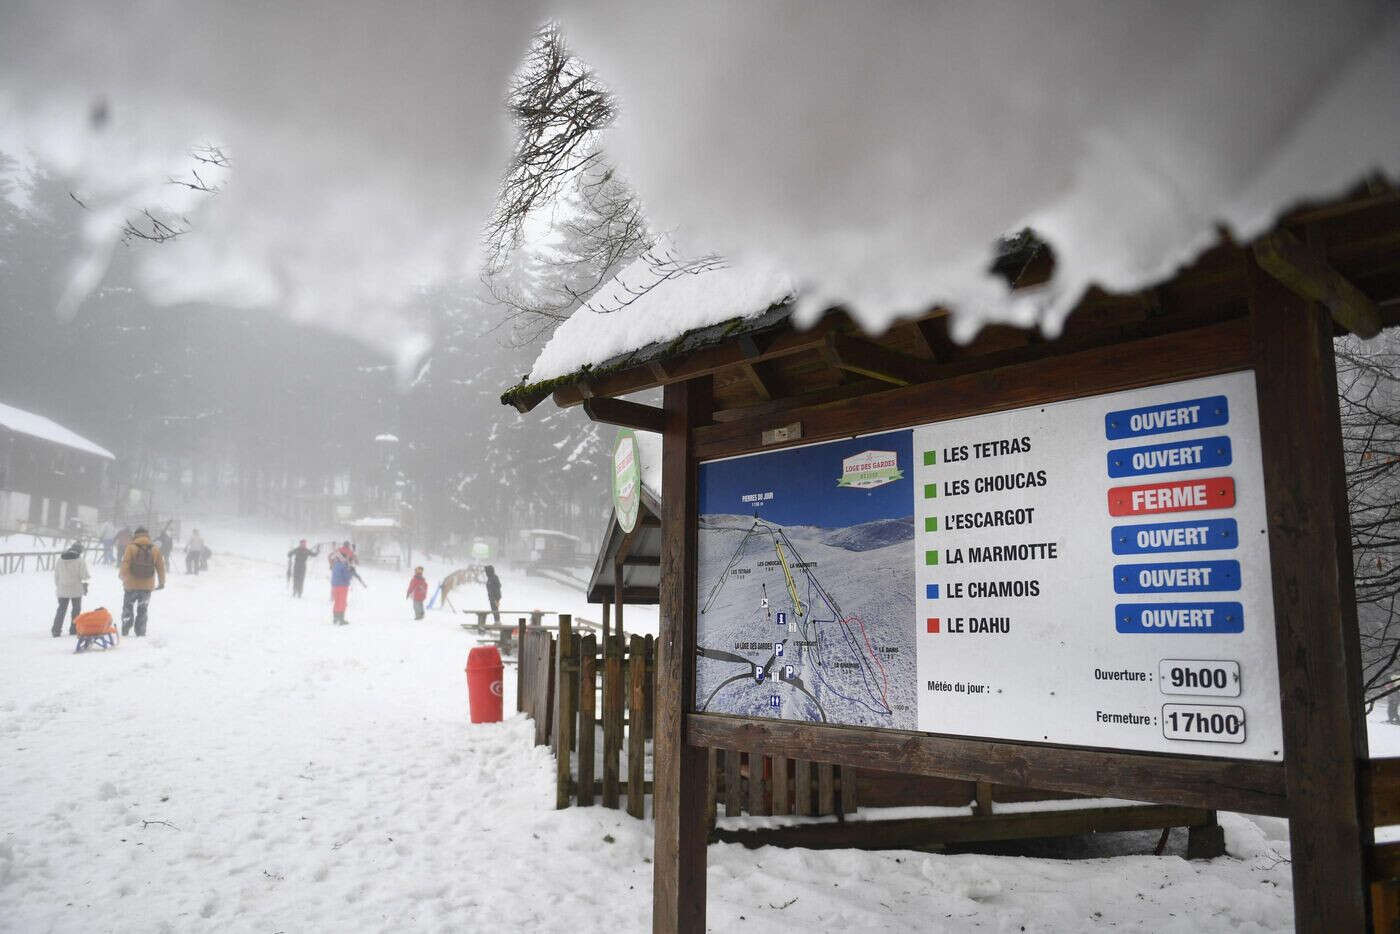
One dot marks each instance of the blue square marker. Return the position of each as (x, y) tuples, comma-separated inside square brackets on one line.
[(931, 591)]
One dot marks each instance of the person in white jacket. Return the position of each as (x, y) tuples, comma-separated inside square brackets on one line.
[(70, 578)]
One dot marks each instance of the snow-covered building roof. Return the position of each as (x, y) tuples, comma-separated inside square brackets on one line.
[(374, 522), (37, 426)]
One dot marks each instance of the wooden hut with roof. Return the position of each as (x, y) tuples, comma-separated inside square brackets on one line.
[(742, 378)]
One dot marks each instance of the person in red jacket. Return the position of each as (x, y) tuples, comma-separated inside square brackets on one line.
[(418, 592)]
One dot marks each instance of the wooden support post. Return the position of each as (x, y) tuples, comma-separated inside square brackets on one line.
[(651, 686), (521, 667), (802, 787), (565, 693), (618, 576), (612, 720), (1205, 841), (1385, 907), (544, 687), (826, 791), (982, 804), (678, 889), (711, 786), (607, 620), (850, 798), (1324, 730), (780, 785), (587, 716), (733, 797), (758, 797), (636, 726)]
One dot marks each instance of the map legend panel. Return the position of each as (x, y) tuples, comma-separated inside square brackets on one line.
[(1045, 574)]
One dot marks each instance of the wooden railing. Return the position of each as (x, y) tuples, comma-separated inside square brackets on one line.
[(17, 562), (593, 701), (1380, 801)]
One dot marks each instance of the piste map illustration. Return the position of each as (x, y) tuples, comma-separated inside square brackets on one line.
[(805, 584)]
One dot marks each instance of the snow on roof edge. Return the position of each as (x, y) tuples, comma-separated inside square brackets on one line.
[(45, 429), (658, 298)]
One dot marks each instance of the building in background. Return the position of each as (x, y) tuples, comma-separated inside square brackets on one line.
[(51, 478)]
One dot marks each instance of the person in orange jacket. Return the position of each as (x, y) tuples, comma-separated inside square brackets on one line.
[(418, 592)]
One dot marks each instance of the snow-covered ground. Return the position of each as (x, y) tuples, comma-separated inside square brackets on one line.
[(248, 767)]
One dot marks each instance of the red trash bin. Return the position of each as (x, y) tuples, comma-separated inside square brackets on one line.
[(484, 670)]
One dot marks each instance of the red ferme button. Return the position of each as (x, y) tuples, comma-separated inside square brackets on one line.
[(1176, 496)]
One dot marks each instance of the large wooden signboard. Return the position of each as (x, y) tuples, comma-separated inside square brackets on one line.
[(1092, 572)]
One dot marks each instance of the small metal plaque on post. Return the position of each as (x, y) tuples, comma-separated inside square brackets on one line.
[(791, 432)]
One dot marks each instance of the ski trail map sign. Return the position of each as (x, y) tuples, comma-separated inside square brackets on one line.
[(1092, 572)]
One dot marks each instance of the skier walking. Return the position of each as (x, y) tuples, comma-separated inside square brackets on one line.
[(196, 554), (296, 565), (165, 542), (119, 544), (341, 575), (418, 592), (142, 563), (70, 578), (493, 593), (108, 538)]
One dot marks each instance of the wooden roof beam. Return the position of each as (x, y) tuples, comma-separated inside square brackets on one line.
[(933, 332), (857, 355), (761, 382), (1305, 273), (625, 414), (704, 362)]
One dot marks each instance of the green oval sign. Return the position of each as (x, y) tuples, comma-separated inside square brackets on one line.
[(627, 479)]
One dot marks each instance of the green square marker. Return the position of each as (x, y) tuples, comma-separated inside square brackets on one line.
[(931, 524), (930, 458), (930, 490), (930, 557)]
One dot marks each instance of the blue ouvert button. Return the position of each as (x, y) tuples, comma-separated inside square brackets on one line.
[(1195, 454), (1176, 577), (1206, 412), (1159, 537), (1197, 618)]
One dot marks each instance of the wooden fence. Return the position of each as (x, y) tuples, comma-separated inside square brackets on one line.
[(17, 562), (593, 702)]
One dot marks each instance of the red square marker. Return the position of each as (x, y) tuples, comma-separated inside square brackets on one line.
[(933, 624)]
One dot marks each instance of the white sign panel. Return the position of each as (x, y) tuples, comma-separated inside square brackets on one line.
[(1092, 572)]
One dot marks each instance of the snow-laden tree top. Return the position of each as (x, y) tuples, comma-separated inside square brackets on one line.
[(37, 426)]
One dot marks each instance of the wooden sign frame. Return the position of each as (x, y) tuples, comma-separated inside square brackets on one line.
[(1287, 341)]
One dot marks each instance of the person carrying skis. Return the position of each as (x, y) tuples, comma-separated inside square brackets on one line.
[(418, 592), (142, 563), (341, 575), (493, 592), (296, 565), (70, 578)]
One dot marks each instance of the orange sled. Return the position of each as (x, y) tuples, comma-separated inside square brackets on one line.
[(95, 630)]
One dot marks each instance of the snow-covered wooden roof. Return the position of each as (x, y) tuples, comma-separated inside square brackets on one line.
[(1342, 253), (37, 426)]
